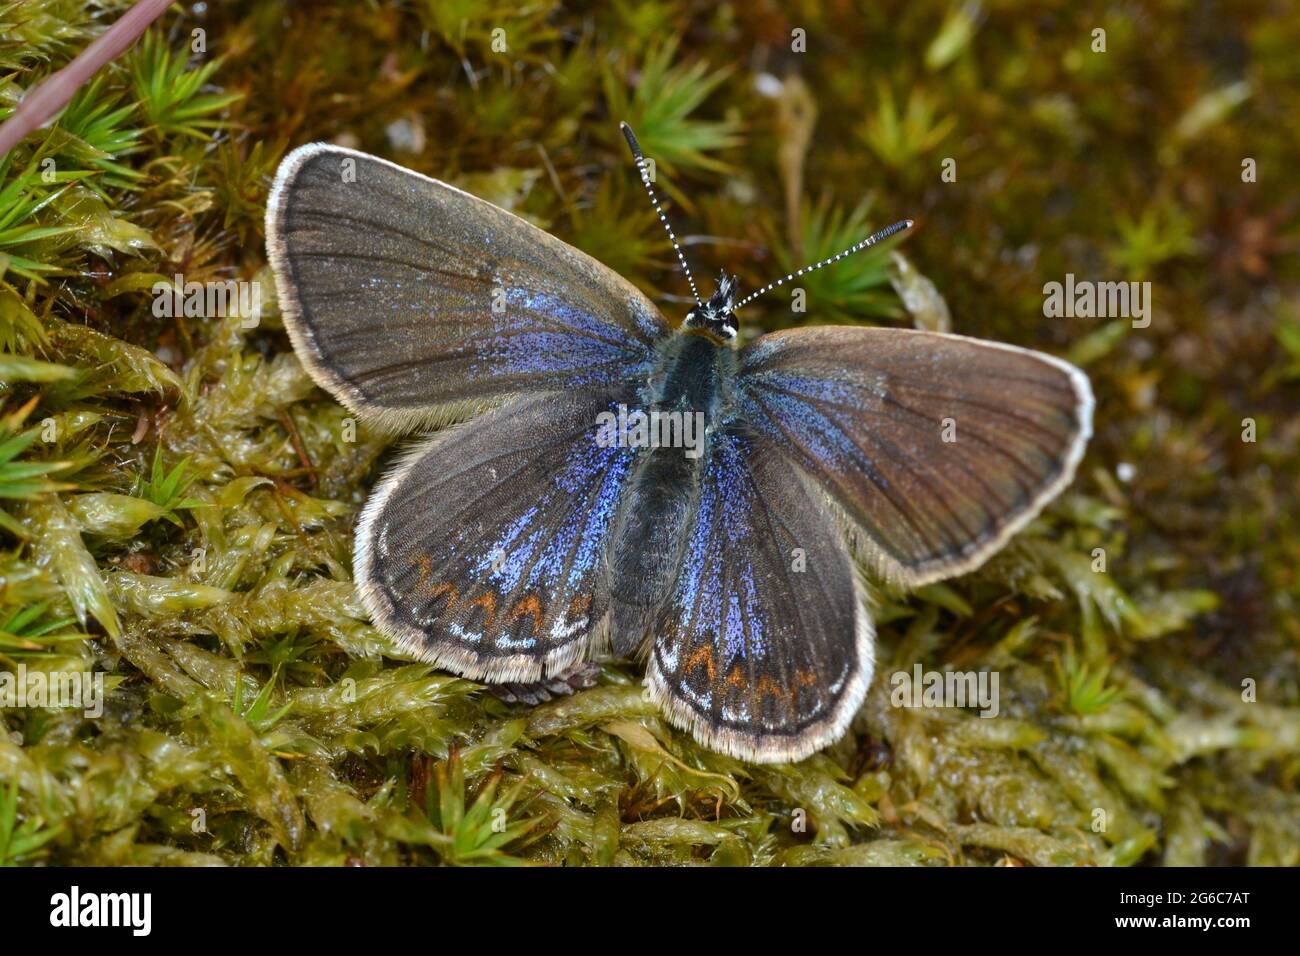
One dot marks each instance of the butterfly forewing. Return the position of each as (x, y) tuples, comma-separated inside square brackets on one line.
[(936, 447), (413, 301), (483, 550), (764, 649)]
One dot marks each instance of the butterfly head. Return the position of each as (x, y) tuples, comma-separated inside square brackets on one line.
[(717, 316)]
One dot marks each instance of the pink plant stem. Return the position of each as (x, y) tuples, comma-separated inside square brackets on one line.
[(52, 95)]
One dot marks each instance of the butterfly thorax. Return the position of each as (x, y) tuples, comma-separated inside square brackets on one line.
[(692, 371)]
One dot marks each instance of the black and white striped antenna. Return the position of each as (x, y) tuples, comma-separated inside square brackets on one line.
[(645, 179), (866, 243)]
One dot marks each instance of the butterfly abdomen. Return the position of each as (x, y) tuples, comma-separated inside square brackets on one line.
[(646, 542)]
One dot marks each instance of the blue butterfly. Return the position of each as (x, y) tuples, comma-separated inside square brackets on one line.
[(522, 541)]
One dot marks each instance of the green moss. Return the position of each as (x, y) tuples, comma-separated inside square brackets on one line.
[(176, 497)]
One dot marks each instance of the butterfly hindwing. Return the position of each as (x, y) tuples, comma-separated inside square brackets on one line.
[(936, 447), (414, 302), (763, 649), (483, 551)]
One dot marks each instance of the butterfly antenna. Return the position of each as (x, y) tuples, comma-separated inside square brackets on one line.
[(866, 243), (645, 179)]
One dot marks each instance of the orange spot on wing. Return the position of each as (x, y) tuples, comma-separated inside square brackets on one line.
[(579, 607), (425, 564), (446, 589), (702, 656), (423, 588), (769, 687), (529, 607), (488, 602)]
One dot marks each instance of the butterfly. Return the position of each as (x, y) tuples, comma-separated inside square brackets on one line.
[(523, 537)]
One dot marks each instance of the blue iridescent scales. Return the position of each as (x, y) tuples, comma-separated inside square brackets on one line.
[(513, 542), (501, 574)]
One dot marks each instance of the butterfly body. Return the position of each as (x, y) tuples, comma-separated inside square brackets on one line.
[(532, 534), (693, 375)]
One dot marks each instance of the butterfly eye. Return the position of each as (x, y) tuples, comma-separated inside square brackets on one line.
[(726, 326), (721, 325), (717, 316)]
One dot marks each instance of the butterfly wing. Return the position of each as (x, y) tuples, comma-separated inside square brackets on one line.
[(483, 550), (414, 302), (763, 650), (936, 447)]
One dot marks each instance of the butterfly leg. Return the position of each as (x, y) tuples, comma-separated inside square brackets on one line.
[(579, 677)]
